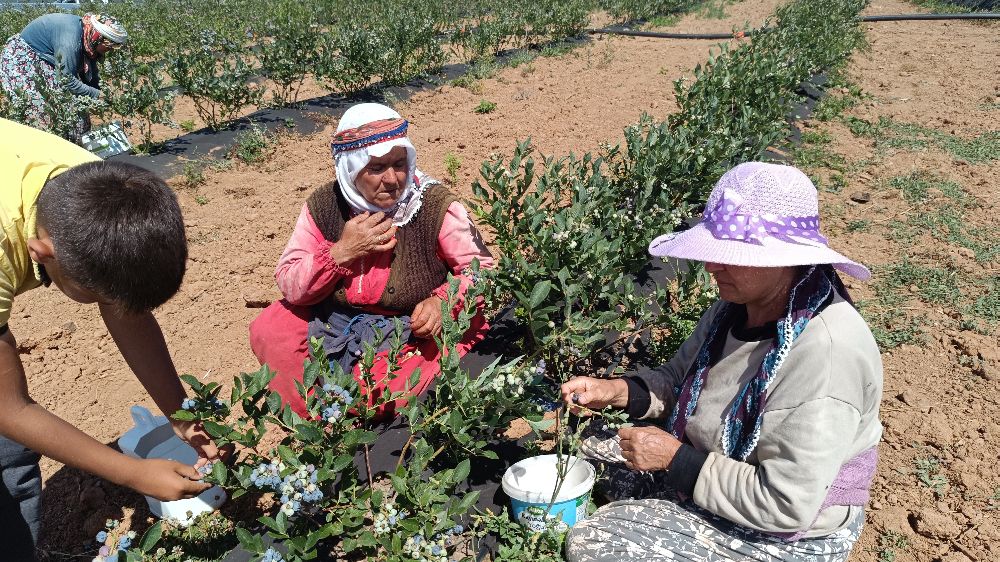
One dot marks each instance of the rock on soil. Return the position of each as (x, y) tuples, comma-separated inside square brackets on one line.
[(933, 524)]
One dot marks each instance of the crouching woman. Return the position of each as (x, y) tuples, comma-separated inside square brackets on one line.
[(760, 434), (370, 248)]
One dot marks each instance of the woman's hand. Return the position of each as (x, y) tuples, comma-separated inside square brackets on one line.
[(364, 234), (647, 447), (595, 394), (425, 321)]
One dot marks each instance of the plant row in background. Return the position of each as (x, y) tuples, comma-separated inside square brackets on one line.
[(222, 53)]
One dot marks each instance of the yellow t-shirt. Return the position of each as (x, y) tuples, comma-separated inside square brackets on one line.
[(28, 158)]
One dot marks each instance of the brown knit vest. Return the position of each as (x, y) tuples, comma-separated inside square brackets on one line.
[(416, 269)]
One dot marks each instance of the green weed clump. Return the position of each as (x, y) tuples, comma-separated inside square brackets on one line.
[(254, 146), (889, 134), (890, 543), (485, 106)]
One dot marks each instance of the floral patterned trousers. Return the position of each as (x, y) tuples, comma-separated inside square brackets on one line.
[(22, 71), (649, 522)]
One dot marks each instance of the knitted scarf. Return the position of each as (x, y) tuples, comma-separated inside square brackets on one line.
[(741, 429), (91, 38)]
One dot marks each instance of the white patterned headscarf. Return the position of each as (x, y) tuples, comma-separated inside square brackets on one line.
[(370, 130)]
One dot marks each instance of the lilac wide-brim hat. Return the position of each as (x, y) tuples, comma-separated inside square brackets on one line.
[(758, 215)]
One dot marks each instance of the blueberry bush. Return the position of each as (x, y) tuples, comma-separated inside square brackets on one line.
[(217, 76), (224, 63)]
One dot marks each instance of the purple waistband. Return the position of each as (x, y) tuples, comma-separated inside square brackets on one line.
[(851, 487)]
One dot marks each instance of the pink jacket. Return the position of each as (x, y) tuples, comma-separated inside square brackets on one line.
[(306, 273)]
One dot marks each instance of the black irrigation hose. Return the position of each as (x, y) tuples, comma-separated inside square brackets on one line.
[(716, 36)]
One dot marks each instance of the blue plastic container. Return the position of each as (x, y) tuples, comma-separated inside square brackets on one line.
[(530, 484)]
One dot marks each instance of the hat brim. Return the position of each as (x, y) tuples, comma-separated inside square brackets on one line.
[(698, 244)]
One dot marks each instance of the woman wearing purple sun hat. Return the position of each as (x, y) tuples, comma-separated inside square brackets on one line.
[(759, 436)]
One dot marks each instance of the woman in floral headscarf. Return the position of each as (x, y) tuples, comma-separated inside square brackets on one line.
[(372, 246), (56, 51), (758, 439)]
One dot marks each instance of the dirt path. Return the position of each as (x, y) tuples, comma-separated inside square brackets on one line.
[(938, 488), (240, 218)]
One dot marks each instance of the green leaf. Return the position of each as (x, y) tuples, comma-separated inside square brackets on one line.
[(184, 415), (539, 294), (270, 523), (274, 402), (220, 472), (282, 521), (539, 426), (467, 502), (309, 433), (399, 484), (216, 429), (250, 542), (151, 537), (341, 462), (193, 382), (462, 471), (288, 455), (359, 437)]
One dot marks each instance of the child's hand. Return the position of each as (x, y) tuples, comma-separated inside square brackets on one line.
[(425, 321), (166, 480), (196, 436), (367, 233)]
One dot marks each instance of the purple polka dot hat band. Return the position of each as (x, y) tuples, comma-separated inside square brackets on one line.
[(727, 222)]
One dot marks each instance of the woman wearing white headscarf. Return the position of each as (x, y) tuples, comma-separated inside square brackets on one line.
[(372, 246), (55, 51)]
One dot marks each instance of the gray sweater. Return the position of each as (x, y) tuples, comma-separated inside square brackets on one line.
[(821, 411), (58, 40)]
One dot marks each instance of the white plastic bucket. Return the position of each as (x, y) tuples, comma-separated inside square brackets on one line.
[(154, 438), (530, 484)]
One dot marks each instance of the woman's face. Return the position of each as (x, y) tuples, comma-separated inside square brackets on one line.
[(751, 285), (381, 182)]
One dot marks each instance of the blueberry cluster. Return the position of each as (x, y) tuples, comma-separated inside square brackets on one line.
[(267, 475), (433, 550), (212, 402), (124, 542), (296, 488), (334, 401), (272, 556), (516, 382), (387, 519)]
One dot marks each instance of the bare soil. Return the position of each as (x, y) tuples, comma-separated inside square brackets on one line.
[(941, 391), (240, 218)]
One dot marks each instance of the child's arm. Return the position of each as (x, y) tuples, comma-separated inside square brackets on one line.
[(141, 343), (307, 273), (24, 421)]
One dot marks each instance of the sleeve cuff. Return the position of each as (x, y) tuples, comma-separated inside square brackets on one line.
[(685, 468), (638, 397), (323, 258)]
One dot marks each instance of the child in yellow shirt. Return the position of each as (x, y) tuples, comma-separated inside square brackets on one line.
[(105, 233)]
